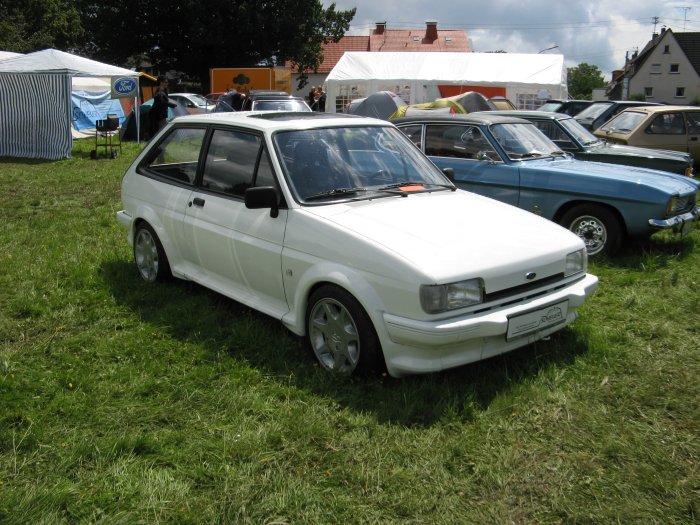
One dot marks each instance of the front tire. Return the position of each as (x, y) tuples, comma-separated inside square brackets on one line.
[(341, 333), (149, 255), (597, 226)]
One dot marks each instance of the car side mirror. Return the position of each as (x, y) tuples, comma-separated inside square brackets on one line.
[(262, 197), (449, 173)]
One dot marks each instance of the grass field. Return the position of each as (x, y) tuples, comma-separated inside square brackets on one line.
[(122, 402)]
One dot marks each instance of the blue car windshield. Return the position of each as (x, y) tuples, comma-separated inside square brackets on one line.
[(524, 141), (354, 162)]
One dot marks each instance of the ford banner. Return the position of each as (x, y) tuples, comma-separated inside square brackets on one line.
[(124, 87)]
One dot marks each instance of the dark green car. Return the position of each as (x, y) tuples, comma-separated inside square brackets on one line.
[(570, 136)]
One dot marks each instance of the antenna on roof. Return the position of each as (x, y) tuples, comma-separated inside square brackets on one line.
[(685, 14)]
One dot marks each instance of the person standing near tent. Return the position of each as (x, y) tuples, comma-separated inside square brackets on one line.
[(158, 116)]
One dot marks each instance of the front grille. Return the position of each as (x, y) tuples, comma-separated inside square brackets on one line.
[(524, 292), (684, 203)]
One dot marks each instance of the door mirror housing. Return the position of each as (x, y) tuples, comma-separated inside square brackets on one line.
[(262, 197)]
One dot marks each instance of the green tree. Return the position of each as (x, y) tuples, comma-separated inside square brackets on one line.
[(32, 25), (195, 35), (583, 79)]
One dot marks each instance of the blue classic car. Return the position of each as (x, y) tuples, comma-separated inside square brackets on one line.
[(569, 135), (510, 160)]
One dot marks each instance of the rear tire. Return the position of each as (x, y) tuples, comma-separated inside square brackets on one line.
[(341, 333), (597, 226)]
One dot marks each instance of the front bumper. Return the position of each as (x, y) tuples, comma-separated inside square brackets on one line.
[(424, 346), (679, 223)]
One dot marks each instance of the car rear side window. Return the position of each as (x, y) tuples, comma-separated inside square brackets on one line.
[(177, 156), (232, 161), (414, 132), (693, 122), (667, 124)]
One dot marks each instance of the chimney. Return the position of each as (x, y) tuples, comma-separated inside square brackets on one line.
[(381, 26), (431, 33)]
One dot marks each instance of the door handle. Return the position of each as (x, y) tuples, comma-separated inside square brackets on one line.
[(198, 202)]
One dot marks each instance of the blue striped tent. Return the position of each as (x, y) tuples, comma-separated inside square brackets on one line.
[(35, 101)]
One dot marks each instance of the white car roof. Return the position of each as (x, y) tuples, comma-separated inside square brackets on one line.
[(272, 121)]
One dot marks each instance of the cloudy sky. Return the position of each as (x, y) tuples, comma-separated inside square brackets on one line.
[(597, 32)]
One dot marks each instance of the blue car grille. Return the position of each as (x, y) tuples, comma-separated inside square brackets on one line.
[(684, 203)]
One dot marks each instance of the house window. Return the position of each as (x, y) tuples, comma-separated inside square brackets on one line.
[(680, 92), (649, 92), (673, 68), (655, 69), (667, 50)]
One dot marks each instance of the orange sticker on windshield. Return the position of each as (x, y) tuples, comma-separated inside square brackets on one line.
[(411, 188)]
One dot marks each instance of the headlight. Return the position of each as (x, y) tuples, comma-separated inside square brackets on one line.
[(438, 298), (576, 262), (671, 206)]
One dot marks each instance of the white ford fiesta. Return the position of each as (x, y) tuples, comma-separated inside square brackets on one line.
[(342, 229)]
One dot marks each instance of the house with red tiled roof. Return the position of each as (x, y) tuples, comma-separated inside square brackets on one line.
[(424, 40), (382, 39)]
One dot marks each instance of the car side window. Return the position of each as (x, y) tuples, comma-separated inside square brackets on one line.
[(667, 124), (177, 156), (693, 122), (555, 133), (413, 132), (464, 142), (231, 162)]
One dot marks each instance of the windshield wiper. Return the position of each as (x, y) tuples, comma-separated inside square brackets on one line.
[(334, 192), (405, 183), (558, 153), (531, 155)]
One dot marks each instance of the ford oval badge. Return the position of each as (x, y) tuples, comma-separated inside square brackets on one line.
[(124, 87)]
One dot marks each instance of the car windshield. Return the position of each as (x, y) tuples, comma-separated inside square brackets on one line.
[(594, 110), (325, 165), (280, 105), (624, 122), (580, 134), (551, 106), (524, 141), (199, 100)]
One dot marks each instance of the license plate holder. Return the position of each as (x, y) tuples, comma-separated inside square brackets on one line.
[(536, 320)]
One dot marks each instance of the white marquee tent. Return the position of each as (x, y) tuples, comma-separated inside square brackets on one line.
[(35, 101), (416, 77)]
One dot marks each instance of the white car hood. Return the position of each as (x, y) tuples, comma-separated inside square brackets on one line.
[(438, 235)]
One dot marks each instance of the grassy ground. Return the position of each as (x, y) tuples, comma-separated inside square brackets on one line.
[(122, 402)]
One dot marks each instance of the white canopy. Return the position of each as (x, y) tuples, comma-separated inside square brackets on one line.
[(418, 75), (35, 101), (4, 55), (54, 61)]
